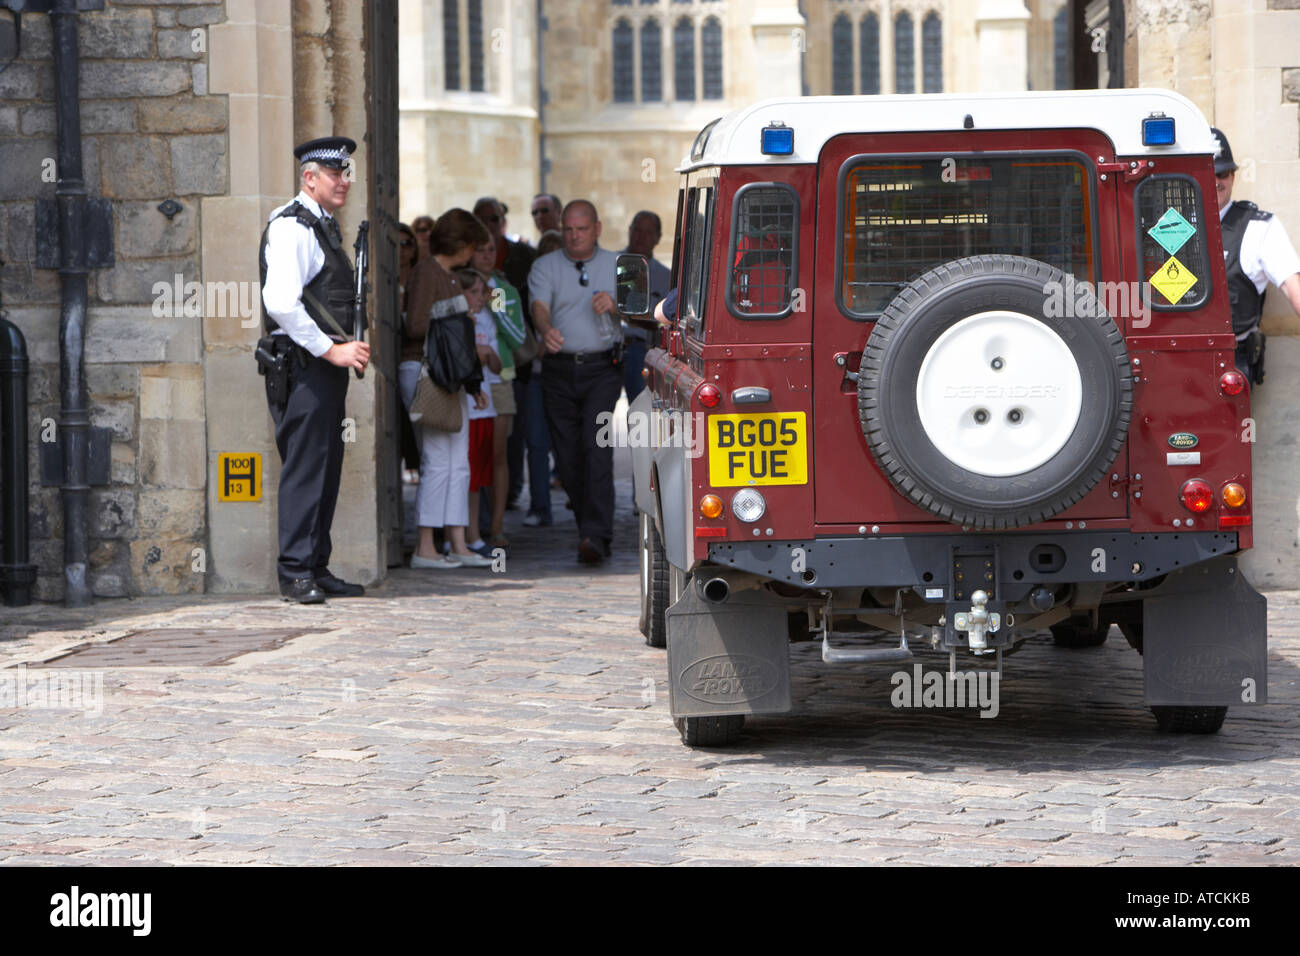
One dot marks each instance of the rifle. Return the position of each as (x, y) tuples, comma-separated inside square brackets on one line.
[(361, 251)]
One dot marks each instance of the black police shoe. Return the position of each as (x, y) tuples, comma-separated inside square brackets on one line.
[(590, 553), (335, 587), (302, 590)]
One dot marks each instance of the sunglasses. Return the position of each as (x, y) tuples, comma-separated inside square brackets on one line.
[(542, 211), (583, 280), (492, 219), (1222, 176)]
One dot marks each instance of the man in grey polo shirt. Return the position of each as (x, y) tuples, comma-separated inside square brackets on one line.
[(574, 312)]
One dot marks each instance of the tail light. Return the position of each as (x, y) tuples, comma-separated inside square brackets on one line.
[(1232, 382), (1197, 496), (708, 395)]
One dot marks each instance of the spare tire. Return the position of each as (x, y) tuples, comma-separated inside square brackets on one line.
[(986, 406)]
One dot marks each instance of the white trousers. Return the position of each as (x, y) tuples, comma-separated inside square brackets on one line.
[(443, 496)]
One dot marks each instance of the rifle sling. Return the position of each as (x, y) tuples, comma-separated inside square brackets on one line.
[(325, 313)]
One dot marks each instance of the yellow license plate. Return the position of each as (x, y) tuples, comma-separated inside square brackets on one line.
[(758, 449)]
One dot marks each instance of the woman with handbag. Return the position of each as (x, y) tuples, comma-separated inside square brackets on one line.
[(438, 379)]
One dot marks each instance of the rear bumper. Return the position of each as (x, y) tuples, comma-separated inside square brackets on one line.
[(1019, 561)]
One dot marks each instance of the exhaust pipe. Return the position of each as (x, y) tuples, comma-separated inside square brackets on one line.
[(717, 590)]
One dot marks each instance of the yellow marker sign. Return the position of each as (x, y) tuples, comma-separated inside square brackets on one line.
[(239, 476), (1172, 280)]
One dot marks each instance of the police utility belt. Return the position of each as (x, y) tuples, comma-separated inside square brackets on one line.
[(277, 354)]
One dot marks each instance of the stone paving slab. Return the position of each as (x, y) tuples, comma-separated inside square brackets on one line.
[(471, 718)]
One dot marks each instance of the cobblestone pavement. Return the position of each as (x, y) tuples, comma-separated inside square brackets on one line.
[(476, 718)]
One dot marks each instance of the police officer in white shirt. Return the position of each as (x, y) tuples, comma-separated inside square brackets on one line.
[(1256, 251), (307, 296)]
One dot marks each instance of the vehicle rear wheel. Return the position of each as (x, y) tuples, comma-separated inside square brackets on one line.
[(1189, 720), (982, 403), (1133, 634), (654, 584), (1076, 633), (710, 731)]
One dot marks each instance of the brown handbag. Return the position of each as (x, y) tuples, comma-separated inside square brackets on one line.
[(529, 349), (435, 407)]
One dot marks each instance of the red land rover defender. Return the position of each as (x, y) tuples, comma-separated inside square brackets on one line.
[(946, 369)]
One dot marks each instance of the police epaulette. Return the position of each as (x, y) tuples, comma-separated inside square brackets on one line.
[(300, 212)]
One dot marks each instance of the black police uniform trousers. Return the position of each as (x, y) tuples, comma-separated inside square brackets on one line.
[(575, 394), (309, 436)]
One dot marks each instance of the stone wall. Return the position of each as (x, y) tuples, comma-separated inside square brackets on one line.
[(150, 132)]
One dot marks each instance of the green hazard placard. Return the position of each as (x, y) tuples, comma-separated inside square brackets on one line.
[(1172, 231)]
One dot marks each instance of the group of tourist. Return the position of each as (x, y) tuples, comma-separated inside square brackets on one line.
[(550, 348)]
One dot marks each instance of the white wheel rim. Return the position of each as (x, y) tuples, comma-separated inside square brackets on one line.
[(999, 394)]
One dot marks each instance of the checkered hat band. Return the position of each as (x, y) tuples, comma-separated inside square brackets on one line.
[(325, 155)]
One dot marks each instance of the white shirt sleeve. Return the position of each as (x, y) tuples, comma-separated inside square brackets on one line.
[(1277, 256), (293, 258), (1267, 254)]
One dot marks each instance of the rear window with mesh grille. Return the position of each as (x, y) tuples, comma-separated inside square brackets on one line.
[(764, 257), (1171, 235), (902, 216)]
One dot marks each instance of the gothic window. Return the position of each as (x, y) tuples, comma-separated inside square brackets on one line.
[(475, 18), (684, 59), (652, 74), (451, 44), (711, 58), (869, 54), (904, 65), (1061, 50), (842, 56), (624, 83), (932, 53)]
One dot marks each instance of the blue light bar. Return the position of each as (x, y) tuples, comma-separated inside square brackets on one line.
[(1158, 131), (778, 140)]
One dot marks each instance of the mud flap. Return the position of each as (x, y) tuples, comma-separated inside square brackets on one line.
[(1205, 637), (727, 657)]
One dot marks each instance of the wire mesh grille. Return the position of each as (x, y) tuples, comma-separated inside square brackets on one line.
[(763, 263), (1156, 199), (904, 217)]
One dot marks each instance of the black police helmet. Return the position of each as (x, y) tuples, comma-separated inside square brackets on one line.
[(1223, 161)]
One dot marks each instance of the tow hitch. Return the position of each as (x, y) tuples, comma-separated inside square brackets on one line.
[(977, 622)]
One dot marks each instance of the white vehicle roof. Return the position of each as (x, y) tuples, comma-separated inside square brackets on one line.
[(735, 138)]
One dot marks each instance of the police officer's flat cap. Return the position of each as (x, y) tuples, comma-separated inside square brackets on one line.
[(1223, 158), (328, 151)]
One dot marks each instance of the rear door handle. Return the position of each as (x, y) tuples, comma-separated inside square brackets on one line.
[(751, 395)]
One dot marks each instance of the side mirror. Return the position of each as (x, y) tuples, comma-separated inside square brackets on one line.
[(633, 282)]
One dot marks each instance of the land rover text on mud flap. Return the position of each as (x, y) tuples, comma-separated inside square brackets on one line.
[(946, 370)]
